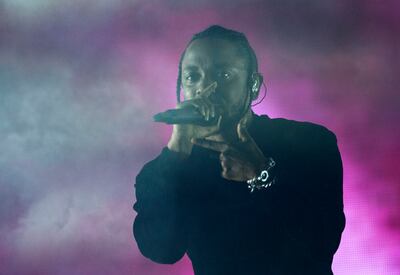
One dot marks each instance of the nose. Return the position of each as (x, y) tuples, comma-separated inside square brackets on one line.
[(205, 84), (206, 80), (208, 90)]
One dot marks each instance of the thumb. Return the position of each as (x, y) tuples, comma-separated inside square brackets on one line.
[(242, 132)]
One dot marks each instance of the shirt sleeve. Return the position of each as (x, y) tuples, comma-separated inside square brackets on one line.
[(159, 227), (313, 217)]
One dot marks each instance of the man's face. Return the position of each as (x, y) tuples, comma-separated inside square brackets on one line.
[(209, 60)]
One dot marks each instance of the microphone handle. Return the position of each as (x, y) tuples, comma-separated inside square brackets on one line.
[(188, 115)]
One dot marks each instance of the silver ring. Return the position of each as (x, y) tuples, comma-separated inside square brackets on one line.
[(264, 176)]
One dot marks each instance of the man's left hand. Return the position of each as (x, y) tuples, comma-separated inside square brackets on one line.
[(241, 160)]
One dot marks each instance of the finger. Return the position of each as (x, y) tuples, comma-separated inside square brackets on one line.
[(230, 175), (209, 89), (223, 159), (211, 107), (214, 131), (204, 106), (231, 153), (210, 144), (197, 105), (219, 123), (226, 172), (224, 166), (242, 132), (225, 175), (250, 143), (203, 110), (207, 107), (227, 163)]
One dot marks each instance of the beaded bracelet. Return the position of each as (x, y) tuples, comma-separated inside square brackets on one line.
[(262, 181)]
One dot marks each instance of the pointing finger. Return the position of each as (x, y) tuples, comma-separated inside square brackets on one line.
[(242, 132), (209, 89), (212, 132), (212, 145)]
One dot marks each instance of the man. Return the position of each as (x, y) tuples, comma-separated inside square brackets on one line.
[(246, 194)]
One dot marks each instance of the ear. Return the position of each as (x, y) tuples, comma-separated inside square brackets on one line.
[(257, 80)]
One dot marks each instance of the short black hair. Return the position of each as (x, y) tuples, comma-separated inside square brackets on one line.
[(216, 31)]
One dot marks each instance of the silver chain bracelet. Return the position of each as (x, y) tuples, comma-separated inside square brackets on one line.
[(263, 180)]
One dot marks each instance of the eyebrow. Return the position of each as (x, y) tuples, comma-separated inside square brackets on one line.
[(230, 65), (190, 68), (225, 65)]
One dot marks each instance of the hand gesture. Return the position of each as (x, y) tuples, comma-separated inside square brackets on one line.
[(240, 160), (182, 134)]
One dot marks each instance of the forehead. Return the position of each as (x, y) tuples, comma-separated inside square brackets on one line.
[(214, 52)]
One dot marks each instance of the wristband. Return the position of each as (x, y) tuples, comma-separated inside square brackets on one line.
[(264, 180)]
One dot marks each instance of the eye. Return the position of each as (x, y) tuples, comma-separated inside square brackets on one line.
[(225, 75), (191, 77)]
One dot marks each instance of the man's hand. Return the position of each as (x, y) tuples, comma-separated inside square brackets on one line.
[(241, 160), (182, 134)]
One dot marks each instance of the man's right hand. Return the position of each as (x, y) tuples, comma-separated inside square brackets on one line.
[(182, 134)]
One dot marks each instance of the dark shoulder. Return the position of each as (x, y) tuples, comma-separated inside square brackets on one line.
[(296, 133)]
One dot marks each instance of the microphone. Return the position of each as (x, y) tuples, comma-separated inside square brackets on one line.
[(187, 115)]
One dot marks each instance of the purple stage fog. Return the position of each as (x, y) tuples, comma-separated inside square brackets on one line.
[(80, 81)]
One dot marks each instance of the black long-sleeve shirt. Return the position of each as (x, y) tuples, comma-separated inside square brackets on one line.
[(292, 227)]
